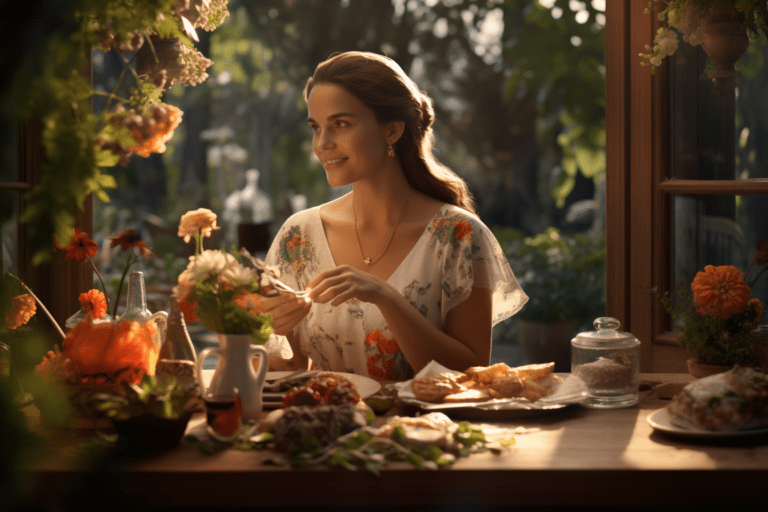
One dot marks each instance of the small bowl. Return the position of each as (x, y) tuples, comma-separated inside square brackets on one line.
[(150, 432)]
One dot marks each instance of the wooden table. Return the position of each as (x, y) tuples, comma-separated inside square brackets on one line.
[(580, 457)]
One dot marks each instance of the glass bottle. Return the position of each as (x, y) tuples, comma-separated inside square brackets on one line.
[(177, 345), (136, 300)]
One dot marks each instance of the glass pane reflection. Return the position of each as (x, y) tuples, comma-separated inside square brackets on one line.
[(718, 230)]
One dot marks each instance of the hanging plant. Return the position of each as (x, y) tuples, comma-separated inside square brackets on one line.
[(51, 87)]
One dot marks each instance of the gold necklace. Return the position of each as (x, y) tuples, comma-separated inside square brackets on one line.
[(368, 261)]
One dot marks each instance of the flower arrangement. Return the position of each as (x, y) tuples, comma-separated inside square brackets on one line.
[(48, 85), (95, 350), (718, 317), (688, 16), (219, 289)]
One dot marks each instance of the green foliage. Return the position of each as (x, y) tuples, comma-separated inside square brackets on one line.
[(563, 275), (718, 341), (163, 396), (563, 60)]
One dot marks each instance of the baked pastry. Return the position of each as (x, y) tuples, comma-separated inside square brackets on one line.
[(470, 395), (487, 374), (532, 371), (733, 400), (539, 388), (434, 387)]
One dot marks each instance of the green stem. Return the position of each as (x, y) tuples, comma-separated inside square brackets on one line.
[(103, 286), (120, 286)]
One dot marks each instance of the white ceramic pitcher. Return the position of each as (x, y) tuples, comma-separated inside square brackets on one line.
[(234, 370)]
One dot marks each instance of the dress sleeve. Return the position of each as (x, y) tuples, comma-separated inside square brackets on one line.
[(474, 259)]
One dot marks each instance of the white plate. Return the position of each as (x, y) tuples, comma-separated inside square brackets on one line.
[(662, 421), (365, 387)]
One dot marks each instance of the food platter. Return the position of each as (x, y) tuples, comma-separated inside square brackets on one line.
[(661, 420), (570, 393), (274, 399)]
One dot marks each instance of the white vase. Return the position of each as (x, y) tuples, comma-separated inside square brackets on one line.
[(234, 370)]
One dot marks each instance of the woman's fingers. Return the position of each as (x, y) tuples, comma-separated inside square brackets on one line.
[(286, 316)]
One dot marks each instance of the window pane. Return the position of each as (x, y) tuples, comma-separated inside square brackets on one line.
[(718, 138), (718, 230)]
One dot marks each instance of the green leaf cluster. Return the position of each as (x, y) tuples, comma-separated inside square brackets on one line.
[(717, 341)]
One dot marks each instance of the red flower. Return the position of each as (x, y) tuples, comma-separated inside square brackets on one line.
[(189, 310), (129, 238), (94, 301), (80, 246), (23, 307)]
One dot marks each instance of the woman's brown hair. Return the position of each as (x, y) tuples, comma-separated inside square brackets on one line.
[(383, 86)]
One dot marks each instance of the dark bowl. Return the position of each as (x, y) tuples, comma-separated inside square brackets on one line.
[(148, 431)]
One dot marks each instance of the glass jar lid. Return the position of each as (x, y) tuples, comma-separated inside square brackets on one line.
[(605, 335)]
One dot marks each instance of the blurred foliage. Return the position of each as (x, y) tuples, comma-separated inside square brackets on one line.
[(563, 275)]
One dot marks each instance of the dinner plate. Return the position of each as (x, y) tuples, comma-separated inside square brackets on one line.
[(570, 394), (662, 421), (365, 387)]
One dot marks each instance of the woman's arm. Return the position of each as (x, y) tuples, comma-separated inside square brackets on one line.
[(466, 341)]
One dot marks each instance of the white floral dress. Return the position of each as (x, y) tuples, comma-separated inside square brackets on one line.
[(353, 337)]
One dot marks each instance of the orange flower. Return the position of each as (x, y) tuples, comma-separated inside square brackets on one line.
[(720, 291), (80, 246), (375, 368), (202, 219), (56, 367), (189, 310), (129, 238), (23, 307), (463, 228), (126, 348), (94, 301), (154, 141), (250, 302)]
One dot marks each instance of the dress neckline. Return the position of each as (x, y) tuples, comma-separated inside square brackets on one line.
[(327, 246)]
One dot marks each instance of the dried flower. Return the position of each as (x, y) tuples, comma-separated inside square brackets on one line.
[(22, 309), (720, 291), (152, 134), (95, 302)]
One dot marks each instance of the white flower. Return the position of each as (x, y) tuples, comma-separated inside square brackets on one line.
[(208, 264), (238, 275), (185, 287)]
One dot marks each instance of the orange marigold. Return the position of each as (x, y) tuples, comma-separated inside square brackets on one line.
[(23, 308), (720, 291), (80, 246), (94, 301), (56, 367)]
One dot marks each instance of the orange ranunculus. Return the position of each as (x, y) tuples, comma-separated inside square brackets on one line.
[(720, 291), (463, 228), (80, 246), (94, 301), (129, 238), (124, 348), (23, 308)]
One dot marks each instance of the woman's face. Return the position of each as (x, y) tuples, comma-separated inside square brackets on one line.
[(347, 138)]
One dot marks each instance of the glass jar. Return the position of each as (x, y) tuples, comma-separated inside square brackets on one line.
[(608, 361)]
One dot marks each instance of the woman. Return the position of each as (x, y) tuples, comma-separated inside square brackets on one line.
[(400, 271)]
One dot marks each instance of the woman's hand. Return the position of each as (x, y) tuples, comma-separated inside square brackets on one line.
[(287, 311), (342, 283)]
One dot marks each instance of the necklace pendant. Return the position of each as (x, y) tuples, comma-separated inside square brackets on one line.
[(367, 261)]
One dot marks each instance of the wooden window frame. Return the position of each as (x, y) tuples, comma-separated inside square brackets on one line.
[(638, 193)]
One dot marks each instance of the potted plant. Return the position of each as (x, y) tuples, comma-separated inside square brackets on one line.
[(564, 278), (152, 414), (717, 319), (722, 27)]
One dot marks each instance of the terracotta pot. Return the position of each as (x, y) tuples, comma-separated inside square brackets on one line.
[(725, 41), (700, 370)]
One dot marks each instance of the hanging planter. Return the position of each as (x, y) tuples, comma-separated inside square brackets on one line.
[(725, 40)]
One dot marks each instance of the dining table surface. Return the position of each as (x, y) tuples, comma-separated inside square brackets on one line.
[(570, 457)]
